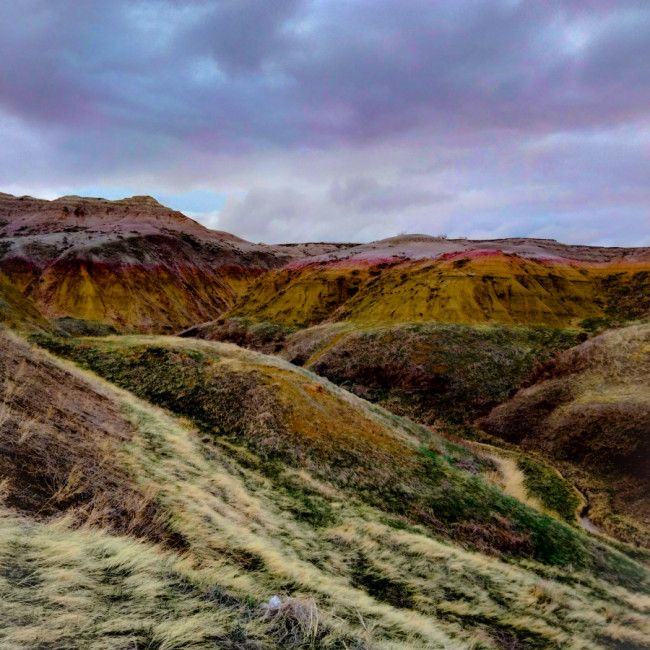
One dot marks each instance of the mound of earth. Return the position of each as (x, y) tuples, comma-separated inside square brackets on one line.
[(589, 408), (430, 372)]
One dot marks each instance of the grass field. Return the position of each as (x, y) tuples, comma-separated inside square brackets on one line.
[(588, 411)]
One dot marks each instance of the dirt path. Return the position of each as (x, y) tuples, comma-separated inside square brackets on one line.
[(512, 482)]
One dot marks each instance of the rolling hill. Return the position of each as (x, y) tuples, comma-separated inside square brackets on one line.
[(372, 531), (430, 372), (589, 411)]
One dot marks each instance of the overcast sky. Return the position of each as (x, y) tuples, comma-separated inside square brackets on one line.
[(302, 120)]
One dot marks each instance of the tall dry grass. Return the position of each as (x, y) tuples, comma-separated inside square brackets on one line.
[(359, 578)]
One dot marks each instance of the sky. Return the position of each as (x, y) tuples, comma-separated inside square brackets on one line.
[(338, 120)]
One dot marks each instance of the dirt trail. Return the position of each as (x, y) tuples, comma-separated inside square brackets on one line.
[(512, 483)]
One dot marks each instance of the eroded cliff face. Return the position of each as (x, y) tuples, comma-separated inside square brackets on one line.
[(513, 282), (139, 266), (133, 264)]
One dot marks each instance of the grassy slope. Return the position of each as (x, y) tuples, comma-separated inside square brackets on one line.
[(431, 372), (367, 578), (589, 409), (427, 371), (293, 418), (437, 374), (58, 437)]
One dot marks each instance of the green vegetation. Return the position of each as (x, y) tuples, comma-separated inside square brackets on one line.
[(80, 327), (350, 571), (238, 398), (596, 324), (429, 371), (554, 492), (587, 412)]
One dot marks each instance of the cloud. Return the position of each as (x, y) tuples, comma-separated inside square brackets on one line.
[(367, 195), (378, 114)]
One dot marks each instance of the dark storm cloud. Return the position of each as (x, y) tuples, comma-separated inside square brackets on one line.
[(489, 93), (242, 35), (303, 72)]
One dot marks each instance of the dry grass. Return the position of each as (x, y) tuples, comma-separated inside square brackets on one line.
[(290, 417), (363, 579), (58, 437), (589, 410)]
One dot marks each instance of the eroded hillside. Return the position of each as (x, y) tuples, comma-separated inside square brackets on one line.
[(132, 264), (470, 287), (19, 312)]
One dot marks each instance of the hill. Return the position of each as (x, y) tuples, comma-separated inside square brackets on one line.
[(513, 282), (588, 410), (374, 532), (132, 264), (430, 372)]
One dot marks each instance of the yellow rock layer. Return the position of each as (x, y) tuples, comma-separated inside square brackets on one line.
[(497, 288), (133, 298), (18, 312)]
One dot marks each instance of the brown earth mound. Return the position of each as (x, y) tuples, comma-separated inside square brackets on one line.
[(589, 409)]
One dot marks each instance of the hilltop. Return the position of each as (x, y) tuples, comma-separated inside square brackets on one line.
[(418, 279), (136, 266)]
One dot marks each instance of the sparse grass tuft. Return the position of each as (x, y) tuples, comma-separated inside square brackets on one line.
[(554, 492)]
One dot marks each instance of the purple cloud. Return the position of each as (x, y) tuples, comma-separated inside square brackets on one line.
[(485, 115)]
